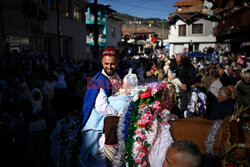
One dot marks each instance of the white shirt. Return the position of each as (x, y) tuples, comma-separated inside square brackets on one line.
[(101, 103), (215, 87)]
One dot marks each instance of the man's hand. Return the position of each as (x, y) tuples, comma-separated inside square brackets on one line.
[(127, 93), (184, 87)]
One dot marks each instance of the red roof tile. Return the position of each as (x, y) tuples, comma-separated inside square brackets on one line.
[(180, 3), (131, 31), (191, 9)]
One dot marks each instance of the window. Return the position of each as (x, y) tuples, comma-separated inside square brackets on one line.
[(64, 7), (46, 3), (113, 32), (196, 46), (182, 30), (18, 43), (197, 28), (78, 12)]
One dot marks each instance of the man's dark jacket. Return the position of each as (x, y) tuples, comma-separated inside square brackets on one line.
[(222, 110), (185, 73)]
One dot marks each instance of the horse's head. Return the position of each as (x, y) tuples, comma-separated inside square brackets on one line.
[(234, 141)]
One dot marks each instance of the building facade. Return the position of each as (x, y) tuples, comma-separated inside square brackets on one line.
[(39, 25), (109, 28), (233, 25), (191, 26), (191, 36)]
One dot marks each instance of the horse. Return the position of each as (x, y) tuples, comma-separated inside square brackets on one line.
[(224, 138)]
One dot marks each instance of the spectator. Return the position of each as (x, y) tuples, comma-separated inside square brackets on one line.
[(224, 78), (48, 89), (183, 154), (233, 93), (243, 89), (207, 81), (225, 106), (186, 73), (215, 84)]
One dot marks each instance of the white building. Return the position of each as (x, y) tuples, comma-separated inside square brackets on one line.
[(190, 32)]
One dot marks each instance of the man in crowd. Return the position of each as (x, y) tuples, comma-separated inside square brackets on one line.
[(225, 106), (243, 90), (99, 88), (224, 78), (186, 73), (183, 154), (233, 93), (215, 84)]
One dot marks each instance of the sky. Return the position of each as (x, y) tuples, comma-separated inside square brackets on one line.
[(142, 8)]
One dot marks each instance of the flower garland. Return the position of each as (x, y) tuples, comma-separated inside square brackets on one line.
[(68, 139), (122, 134), (145, 110)]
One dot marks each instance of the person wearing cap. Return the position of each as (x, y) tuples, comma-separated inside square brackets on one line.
[(186, 73), (96, 108)]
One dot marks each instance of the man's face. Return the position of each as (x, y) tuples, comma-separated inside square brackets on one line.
[(175, 159), (221, 72), (247, 80), (109, 64), (233, 91), (220, 97), (230, 70), (178, 59)]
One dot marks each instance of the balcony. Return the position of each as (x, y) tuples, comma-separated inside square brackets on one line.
[(92, 19), (234, 22), (101, 40)]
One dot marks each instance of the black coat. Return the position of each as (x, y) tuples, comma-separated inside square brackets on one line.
[(185, 73), (222, 110)]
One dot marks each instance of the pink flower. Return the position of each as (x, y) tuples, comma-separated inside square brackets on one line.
[(138, 141), (143, 137), (156, 104), (144, 95), (140, 146), (144, 163), (137, 160), (163, 122), (154, 91), (156, 110), (141, 155), (137, 131)]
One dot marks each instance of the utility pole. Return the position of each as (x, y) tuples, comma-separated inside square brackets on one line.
[(162, 33), (58, 31), (135, 35), (96, 31)]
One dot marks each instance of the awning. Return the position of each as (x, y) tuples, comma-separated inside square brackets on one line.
[(198, 54)]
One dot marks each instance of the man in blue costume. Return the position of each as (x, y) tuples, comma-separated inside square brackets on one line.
[(96, 108)]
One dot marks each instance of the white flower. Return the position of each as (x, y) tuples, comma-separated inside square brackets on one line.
[(136, 97)]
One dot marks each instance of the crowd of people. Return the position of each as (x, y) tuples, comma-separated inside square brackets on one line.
[(35, 93)]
